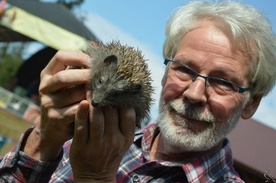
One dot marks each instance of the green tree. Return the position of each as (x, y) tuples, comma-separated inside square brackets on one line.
[(10, 60), (71, 4), (11, 53)]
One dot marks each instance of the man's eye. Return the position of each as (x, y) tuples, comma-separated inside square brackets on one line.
[(184, 70), (184, 74), (222, 85)]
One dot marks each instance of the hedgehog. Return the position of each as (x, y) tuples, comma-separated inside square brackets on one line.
[(120, 77)]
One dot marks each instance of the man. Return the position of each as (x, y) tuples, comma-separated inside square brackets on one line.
[(220, 61)]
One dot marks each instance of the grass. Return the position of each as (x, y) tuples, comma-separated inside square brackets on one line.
[(11, 127)]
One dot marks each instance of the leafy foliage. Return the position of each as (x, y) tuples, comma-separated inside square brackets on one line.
[(10, 60), (71, 4)]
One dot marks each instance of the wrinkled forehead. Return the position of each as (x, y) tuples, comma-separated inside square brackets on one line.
[(241, 41), (240, 44)]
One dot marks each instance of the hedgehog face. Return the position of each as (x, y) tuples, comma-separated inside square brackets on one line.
[(111, 91), (109, 86), (120, 77)]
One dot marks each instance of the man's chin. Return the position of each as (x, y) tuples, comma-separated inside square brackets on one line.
[(186, 139), (185, 134)]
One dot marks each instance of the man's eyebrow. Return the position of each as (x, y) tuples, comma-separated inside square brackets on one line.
[(226, 74), (185, 61)]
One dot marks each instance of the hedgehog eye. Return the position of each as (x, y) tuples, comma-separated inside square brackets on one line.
[(100, 81)]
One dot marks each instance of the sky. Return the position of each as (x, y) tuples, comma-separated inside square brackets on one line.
[(141, 24)]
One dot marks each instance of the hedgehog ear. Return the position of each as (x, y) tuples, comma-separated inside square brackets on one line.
[(110, 59)]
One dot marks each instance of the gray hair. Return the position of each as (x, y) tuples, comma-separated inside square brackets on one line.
[(251, 30)]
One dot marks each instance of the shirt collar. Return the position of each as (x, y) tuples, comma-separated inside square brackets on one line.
[(199, 169)]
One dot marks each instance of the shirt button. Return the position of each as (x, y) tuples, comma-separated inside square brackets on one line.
[(135, 178)]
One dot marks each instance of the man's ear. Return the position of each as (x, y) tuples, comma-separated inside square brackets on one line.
[(251, 107)]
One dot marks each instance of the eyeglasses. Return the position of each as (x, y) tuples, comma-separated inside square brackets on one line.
[(221, 86)]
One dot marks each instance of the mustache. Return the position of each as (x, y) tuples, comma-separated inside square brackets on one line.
[(191, 111)]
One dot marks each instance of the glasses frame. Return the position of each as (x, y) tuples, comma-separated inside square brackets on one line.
[(240, 89)]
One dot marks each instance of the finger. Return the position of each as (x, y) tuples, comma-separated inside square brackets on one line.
[(64, 79), (66, 114), (111, 121), (63, 58), (63, 98), (96, 124), (67, 96), (81, 133), (127, 123)]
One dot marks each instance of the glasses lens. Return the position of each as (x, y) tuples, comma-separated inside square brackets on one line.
[(183, 72), (222, 86)]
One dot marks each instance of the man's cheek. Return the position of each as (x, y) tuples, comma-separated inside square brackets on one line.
[(220, 110), (171, 91)]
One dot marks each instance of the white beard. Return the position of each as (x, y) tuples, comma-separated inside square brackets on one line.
[(177, 132)]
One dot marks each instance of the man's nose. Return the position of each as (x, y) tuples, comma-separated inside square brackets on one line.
[(196, 91)]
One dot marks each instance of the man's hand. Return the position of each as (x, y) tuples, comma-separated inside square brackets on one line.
[(101, 138), (60, 90)]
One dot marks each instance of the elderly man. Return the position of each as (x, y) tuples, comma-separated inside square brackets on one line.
[(220, 61)]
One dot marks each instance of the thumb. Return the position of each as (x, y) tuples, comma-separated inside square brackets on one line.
[(81, 132)]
